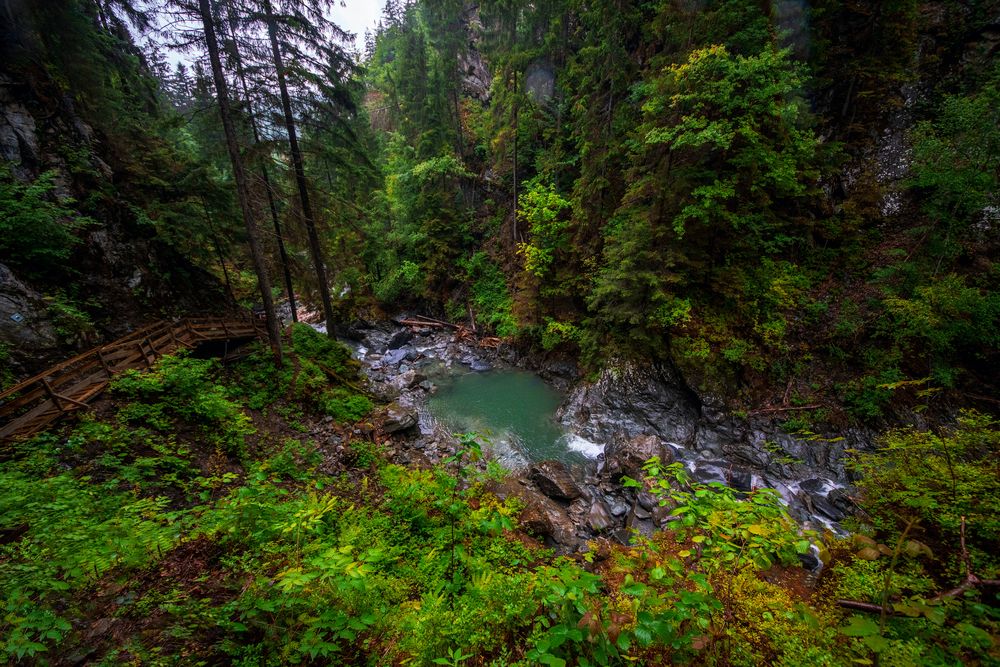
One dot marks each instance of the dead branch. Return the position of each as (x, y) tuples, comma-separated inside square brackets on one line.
[(790, 408), (971, 581)]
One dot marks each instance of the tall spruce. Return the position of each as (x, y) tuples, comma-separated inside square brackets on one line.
[(298, 166), (239, 176)]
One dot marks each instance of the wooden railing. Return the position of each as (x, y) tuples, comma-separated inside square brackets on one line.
[(29, 406)]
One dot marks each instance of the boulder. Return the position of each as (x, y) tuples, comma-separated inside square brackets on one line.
[(625, 458), (398, 418), (599, 518), (393, 357), (544, 517), (399, 339), (554, 480)]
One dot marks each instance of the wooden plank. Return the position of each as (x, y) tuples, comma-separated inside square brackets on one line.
[(82, 377), (21, 401)]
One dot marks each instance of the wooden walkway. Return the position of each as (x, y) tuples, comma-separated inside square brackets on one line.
[(27, 407)]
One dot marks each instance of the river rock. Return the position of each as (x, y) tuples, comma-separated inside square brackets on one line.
[(599, 517), (399, 339), (554, 480), (393, 357), (631, 399), (626, 458), (544, 517), (618, 507), (398, 418)]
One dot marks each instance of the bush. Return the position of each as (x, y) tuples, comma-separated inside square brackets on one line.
[(37, 231)]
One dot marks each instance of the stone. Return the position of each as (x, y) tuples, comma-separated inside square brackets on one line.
[(640, 512), (599, 517), (399, 339), (810, 561), (480, 366), (554, 480), (868, 553), (625, 458), (544, 517), (397, 418), (25, 322), (393, 357), (631, 399), (618, 508)]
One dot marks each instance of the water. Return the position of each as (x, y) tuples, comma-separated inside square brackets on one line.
[(514, 410)]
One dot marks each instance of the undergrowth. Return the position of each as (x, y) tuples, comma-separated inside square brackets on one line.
[(161, 524)]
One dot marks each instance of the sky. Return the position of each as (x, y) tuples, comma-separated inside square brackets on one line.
[(358, 15)]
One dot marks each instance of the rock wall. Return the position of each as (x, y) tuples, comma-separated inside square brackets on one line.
[(121, 275)]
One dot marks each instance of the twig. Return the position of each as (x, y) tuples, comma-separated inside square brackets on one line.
[(332, 373), (971, 581), (792, 408)]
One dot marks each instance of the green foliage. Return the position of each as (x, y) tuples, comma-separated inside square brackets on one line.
[(489, 295), (731, 531), (37, 229), (183, 387), (545, 211), (345, 406), (937, 478), (73, 533)]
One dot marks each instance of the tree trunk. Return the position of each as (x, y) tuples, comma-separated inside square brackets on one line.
[(239, 175), (268, 188), (300, 172)]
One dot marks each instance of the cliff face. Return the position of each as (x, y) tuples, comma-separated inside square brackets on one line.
[(118, 274)]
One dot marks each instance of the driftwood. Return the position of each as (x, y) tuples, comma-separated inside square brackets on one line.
[(783, 408), (971, 581), (462, 332)]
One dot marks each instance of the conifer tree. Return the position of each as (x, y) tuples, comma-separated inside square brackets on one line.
[(239, 175)]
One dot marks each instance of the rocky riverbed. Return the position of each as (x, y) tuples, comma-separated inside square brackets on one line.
[(627, 415)]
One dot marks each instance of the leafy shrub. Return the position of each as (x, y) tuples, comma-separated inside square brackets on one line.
[(345, 406), (937, 478), (36, 229), (183, 387)]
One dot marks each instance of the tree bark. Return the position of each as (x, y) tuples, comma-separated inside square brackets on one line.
[(239, 176), (300, 172), (264, 176)]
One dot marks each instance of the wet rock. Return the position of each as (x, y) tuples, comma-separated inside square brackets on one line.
[(741, 480), (397, 418), (428, 386), (25, 323), (639, 524), (544, 517), (599, 517), (631, 399), (640, 512), (626, 458), (554, 480), (618, 508), (399, 339), (646, 500), (413, 355), (810, 561), (480, 366), (393, 357), (820, 505), (841, 499)]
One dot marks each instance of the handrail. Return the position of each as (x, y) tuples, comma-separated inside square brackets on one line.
[(68, 385)]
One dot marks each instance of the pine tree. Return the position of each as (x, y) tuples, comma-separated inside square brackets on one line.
[(239, 175)]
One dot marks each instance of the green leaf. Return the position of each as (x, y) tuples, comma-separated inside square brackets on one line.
[(859, 626)]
